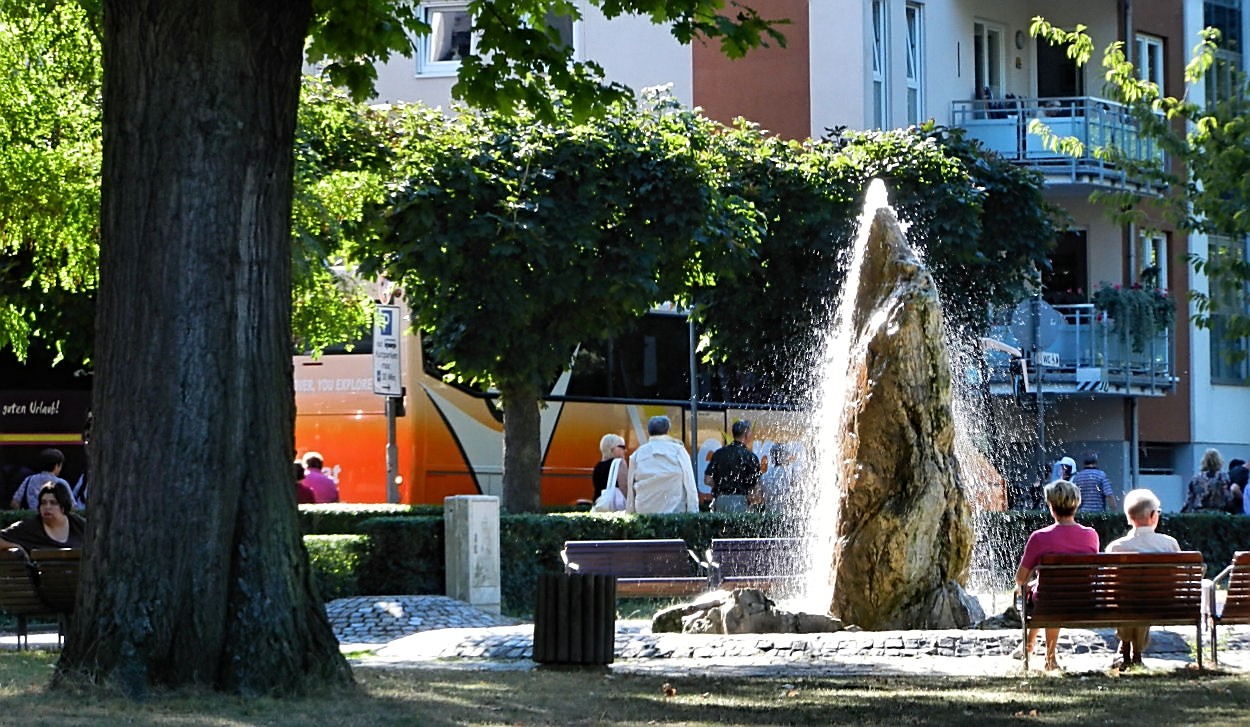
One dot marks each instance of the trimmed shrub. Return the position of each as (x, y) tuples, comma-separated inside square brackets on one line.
[(342, 518), (335, 562), (405, 556)]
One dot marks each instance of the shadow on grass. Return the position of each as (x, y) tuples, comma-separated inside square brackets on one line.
[(599, 697)]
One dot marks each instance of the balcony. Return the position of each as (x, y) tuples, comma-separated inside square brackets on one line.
[(1003, 126), (1080, 354)]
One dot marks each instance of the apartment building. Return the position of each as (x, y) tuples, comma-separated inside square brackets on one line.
[(1149, 408)]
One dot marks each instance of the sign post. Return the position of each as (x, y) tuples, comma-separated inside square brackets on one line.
[(388, 381)]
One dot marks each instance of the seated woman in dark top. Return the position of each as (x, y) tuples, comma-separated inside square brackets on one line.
[(56, 525)]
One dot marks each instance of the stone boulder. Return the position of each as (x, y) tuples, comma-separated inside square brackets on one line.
[(740, 611)]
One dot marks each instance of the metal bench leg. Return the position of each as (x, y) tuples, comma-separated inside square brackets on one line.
[(1215, 658), (1200, 647)]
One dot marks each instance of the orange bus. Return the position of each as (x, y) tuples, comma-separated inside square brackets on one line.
[(450, 439)]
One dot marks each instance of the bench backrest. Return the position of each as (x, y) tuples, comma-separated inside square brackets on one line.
[(58, 576), (1129, 586), (1237, 602), (18, 596), (631, 558), (757, 556)]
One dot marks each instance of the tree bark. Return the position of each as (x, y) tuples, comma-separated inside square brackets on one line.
[(196, 572), (522, 452)]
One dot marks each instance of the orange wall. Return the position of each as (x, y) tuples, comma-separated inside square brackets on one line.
[(769, 86)]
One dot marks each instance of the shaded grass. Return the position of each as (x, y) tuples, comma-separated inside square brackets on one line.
[(598, 697)]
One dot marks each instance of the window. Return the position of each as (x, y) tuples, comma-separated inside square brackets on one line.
[(1150, 59), (449, 40), (987, 62), (915, 63), (1225, 16), (880, 65), (1153, 260), (650, 362), (451, 36), (1229, 362)]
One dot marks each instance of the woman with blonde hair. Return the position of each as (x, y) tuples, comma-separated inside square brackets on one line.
[(1064, 536), (1209, 489), (614, 469)]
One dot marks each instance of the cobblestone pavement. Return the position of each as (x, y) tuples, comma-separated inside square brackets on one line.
[(435, 631)]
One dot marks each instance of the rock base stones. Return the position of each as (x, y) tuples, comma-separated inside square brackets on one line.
[(740, 611)]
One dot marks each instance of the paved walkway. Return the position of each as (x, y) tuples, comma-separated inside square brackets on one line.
[(444, 633), (440, 632)]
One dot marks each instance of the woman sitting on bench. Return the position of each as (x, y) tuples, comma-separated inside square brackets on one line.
[(54, 526), (1065, 536)]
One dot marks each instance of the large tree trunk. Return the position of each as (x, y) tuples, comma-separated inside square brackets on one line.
[(196, 572), (522, 450)]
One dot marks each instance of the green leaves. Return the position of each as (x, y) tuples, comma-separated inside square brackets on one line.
[(50, 154), (518, 239)]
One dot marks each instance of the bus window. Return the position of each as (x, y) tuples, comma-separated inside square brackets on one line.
[(651, 362)]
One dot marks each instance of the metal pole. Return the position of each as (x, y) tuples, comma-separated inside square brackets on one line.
[(1037, 386), (694, 401), (1134, 456), (392, 454)]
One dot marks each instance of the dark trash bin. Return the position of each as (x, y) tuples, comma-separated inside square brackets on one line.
[(575, 619)]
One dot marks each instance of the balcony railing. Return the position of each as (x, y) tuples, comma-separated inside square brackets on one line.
[(1003, 126), (1081, 352)]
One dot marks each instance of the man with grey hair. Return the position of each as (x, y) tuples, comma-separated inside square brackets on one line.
[(1141, 507), (661, 478)]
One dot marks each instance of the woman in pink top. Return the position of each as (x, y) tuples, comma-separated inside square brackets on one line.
[(1065, 536)]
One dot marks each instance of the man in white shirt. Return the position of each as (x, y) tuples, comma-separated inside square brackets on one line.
[(661, 478), (1141, 507)]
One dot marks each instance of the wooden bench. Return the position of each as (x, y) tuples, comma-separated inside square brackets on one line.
[(58, 577), (641, 567), (1117, 589), (18, 595), (763, 563), (1236, 606)]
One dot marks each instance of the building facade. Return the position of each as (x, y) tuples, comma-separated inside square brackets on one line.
[(1148, 407)]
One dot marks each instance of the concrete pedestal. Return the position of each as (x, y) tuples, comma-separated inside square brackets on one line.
[(471, 547)]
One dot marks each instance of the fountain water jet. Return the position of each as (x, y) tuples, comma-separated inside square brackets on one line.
[(885, 433)]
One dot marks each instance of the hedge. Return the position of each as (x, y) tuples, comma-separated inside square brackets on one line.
[(404, 553)]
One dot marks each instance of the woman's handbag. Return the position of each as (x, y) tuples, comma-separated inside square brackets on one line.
[(611, 499)]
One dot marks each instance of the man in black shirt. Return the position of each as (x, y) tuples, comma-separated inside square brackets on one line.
[(734, 471)]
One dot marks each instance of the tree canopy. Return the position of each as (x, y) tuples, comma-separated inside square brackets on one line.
[(50, 150), (517, 239)]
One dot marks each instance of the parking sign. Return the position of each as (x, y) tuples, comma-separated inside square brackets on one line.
[(387, 371)]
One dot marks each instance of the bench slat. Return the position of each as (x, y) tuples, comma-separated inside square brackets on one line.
[(641, 567), (762, 563)]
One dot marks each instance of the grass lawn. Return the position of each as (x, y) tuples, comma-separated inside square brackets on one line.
[(594, 697)]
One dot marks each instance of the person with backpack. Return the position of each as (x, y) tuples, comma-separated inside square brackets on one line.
[(27, 495)]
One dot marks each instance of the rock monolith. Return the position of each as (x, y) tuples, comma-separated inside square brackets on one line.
[(904, 534)]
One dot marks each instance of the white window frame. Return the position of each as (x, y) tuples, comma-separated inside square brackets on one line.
[(1150, 60), (880, 64), (990, 61), (428, 10), (1222, 371), (915, 63), (1153, 252)]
